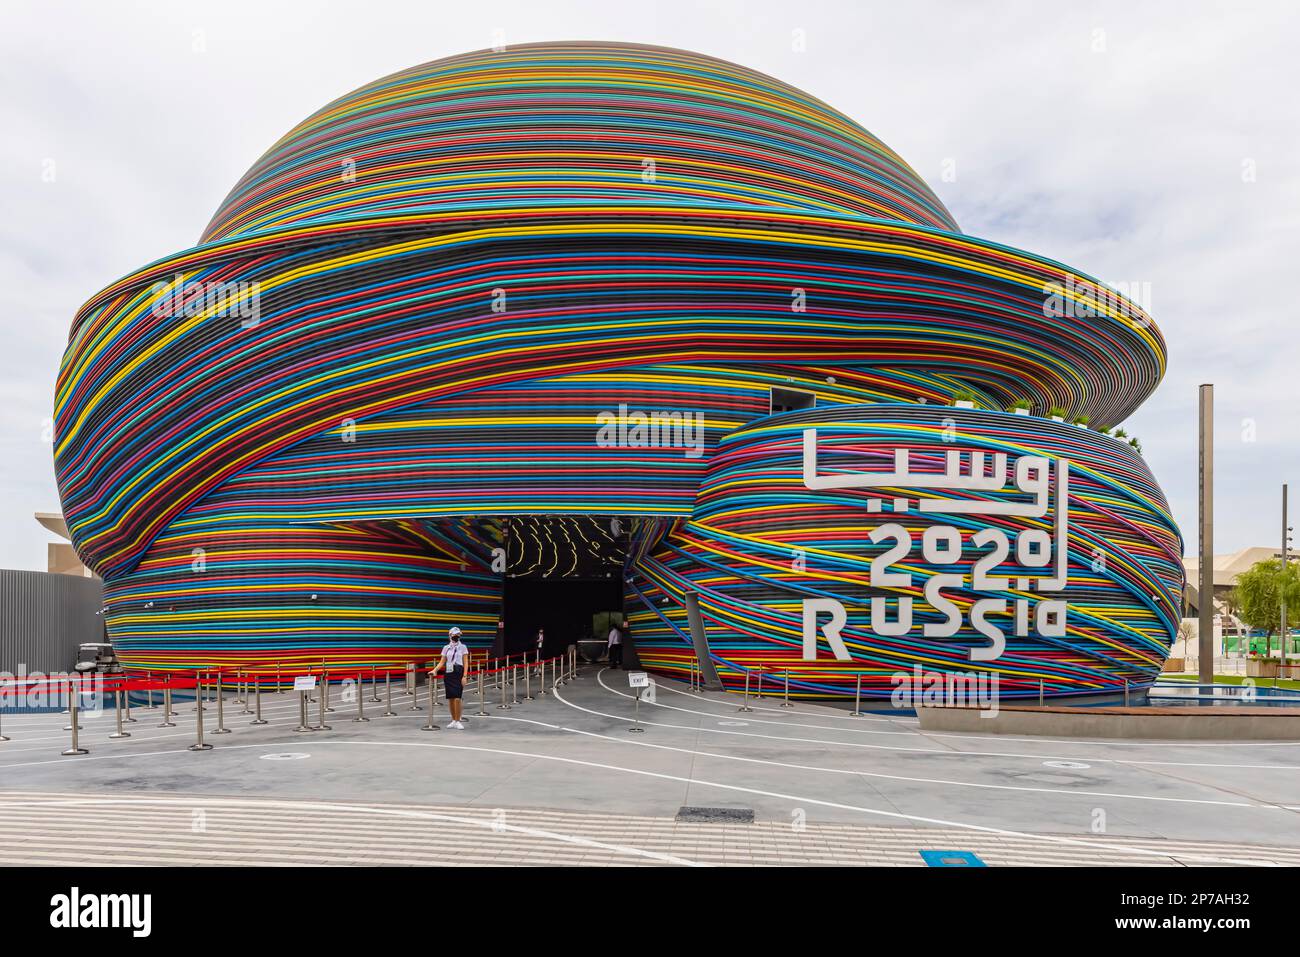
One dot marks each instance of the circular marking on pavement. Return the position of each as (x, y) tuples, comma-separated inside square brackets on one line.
[(285, 756), (1067, 765)]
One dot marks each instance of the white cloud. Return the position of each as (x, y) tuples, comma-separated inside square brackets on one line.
[(1125, 163)]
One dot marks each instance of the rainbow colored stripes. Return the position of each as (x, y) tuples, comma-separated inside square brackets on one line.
[(431, 291)]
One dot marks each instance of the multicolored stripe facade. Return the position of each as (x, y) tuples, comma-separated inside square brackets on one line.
[(416, 316)]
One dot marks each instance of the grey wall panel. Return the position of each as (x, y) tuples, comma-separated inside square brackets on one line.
[(44, 617)]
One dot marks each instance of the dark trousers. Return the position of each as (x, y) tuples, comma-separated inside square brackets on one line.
[(616, 655)]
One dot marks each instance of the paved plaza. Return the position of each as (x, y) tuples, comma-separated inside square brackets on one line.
[(562, 779)]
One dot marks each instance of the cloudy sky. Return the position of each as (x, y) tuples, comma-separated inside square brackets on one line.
[(1158, 146)]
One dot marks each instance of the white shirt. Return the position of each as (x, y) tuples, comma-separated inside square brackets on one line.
[(453, 654), (615, 636)]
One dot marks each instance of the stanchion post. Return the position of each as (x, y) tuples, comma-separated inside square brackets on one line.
[(636, 714), (221, 707), (1040, 692), (514, 684), (257, 698), (528, 682), (321, 703), (414, 677), (857, 701), (374, 686), (279, 686), (72, 710), (745, 706), (503, 706), (481, 713), (198, 744), (433, 686), (117, 710), (303, 726), (388, 694), (759, 684), (785, 703), (167, 721), (361, 695)]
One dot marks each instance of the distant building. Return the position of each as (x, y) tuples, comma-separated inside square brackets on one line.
[(61, 557)]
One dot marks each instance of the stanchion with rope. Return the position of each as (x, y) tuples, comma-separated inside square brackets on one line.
[(322, 703), (503, 706), (857, 701), (745, 706), (167, 721), (199, 744), (374, 686), (433, 685), (514, 685), (361, 697), (303, 726), (257, 699), (786, 702), (221, 705), (72, 710), (117, 713), (480, 713), (388, 694)]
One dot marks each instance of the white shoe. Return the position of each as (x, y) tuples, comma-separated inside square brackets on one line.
[(457, 725)]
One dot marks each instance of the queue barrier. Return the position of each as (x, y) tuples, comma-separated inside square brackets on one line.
[(250, 682)]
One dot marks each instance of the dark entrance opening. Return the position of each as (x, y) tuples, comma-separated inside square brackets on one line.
[(564, 574)]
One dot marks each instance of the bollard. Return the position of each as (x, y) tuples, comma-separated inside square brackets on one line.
[(302, 713), (167, 721), (745, 706), (321, 703), (72, 710), (361, 708), (857, 701), (786, 702), (198, 745), (388, 695), (117, 708), (257, 698), (514, 684), (480, 713), (528, 683), (1040, 692), (503, 706), (433, 690), (374, 686)]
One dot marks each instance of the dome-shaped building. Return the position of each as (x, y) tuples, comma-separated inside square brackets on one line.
[(518, 337)]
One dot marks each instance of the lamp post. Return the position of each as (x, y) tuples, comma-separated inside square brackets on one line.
[(1205, 597), (1286, 548)]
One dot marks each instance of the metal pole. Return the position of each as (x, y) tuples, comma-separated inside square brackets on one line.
[(1282, 643), (221, 711), (374, 686), (636, 714), (414, 677), (481, 713), (541, 671), (361, 708), (325, 688), (1126, 692), (514, 685), (302, 713), (1205, 594), (117, 708), (745, 706), (320, 705), (857, 701), (388, 694), (167, 721), (279, 688), (247, 693), (128, 717), (2, 709), (1040, 692), (503, 706), (257, 698), (786, 703), (759, 684), (528, 682), (72, 710), (198, 745), (433, 690)]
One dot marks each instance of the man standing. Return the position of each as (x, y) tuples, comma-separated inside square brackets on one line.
[(453, 660), (615, 645)]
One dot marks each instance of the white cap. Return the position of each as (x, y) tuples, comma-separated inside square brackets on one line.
[(453, 632)]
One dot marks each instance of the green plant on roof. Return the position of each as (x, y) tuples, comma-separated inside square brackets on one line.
[(1120, 434), (1020, 404), (1135, 445), (1056, 410), (964, 396), (1080, 420)]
